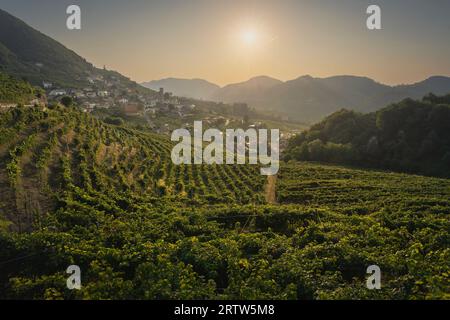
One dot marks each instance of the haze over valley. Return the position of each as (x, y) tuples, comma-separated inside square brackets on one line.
[(305, 98)]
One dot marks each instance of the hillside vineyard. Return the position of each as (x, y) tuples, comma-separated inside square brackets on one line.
[(46, 152), (232, 145), (113, 190), (108, 199)]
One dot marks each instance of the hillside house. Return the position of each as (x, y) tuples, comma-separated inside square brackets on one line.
[(78, 94), (89, 107), (102, 93), (131, 109), (47, 85), (57, 93)]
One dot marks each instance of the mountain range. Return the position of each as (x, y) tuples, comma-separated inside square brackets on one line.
[(189, 88), (28, 54), (307, 98)]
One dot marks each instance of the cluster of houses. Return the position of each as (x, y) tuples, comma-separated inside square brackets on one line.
[(108, 94), (168, 104), (100, 93)]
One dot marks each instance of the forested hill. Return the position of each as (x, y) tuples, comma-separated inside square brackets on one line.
[(29, 54), (410, 136)]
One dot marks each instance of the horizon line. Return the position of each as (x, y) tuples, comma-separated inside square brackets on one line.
[(293, 79)]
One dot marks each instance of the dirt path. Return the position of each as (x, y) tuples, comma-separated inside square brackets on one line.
[(271, 187)]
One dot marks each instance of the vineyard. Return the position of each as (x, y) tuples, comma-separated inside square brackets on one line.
[(75, 190), (55, 155), (16, 91)]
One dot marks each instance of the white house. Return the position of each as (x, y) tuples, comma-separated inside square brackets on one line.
[(102, 93), (47, 85), (79, 94), (57, 93)]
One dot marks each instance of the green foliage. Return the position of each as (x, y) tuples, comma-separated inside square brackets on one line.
[(115, 121), (140, 227), (67, 101), (411, 136), (16, 91)]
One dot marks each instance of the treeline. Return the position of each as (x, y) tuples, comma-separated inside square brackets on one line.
[(410, 136)]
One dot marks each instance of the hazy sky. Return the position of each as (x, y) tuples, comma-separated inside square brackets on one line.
[(227, 41)]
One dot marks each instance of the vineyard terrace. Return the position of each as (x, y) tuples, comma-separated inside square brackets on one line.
[(237, 143)]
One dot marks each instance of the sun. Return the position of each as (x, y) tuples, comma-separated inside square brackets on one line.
[(249, 37)]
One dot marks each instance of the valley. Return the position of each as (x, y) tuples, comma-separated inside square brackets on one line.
[(88, 180), (308, 99)]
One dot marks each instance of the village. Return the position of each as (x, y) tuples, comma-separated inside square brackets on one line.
[(106, 96), (107, 93)]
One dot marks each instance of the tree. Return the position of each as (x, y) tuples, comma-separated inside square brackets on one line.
[(114, 120), (67, 101)]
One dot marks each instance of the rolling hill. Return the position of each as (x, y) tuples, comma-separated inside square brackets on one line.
[(27, 53), (250, 91), (189, 88), (410, 136), (44, 152), (310, 99)]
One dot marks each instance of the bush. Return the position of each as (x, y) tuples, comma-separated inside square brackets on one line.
[(115, 121)]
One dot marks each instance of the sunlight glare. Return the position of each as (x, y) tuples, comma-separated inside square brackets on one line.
[(249, 37)]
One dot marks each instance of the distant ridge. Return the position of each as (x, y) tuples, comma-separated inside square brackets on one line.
[(247, 91), (191, 88), (310, 99)]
